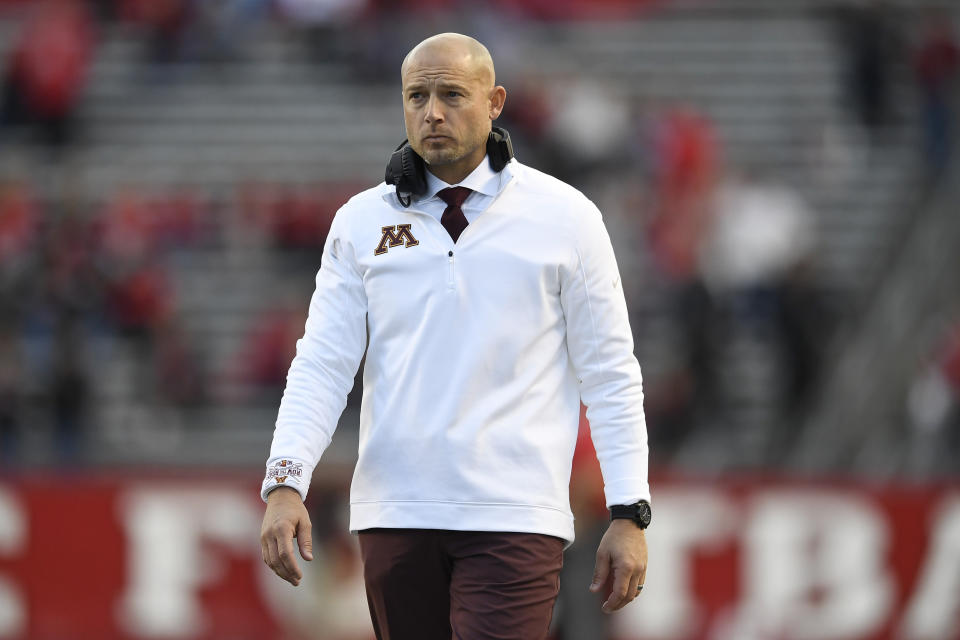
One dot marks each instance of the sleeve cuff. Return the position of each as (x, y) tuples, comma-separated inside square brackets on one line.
[(628, 491), (286, 472)]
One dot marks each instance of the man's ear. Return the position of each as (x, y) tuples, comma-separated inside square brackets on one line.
[(498, 95)]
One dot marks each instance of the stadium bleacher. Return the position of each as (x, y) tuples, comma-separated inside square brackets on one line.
[(769, 79)]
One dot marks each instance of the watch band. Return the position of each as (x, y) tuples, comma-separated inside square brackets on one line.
[(638, 512), (624, 511)]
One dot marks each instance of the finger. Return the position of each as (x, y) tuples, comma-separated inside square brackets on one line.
[(601, 571), (305, 539), (287, 559), (273, 559), (264, 553), (632, 589), (276, 563), (618, 595)]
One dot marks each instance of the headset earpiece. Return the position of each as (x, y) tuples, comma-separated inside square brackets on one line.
[(406, 169), (499, 148)]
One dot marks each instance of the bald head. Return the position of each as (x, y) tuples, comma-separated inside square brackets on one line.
[(454, 50), (450, 103)]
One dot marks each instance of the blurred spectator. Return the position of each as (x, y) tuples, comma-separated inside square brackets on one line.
[(220, 28), (759, 232), (291, 217), (139, 299), (318, 12), (806, 323), (11, 372), (18, 220), (42, 262), (55, 292), (249, 227), (135, 226), (871, 44), (379, 38), (194, 30), (677, 148), (580, 9), (69, 391), (528, 118), (741, 269), (302, 216), (933, 407), (755, 263), (48, 69), (324, 24), (268, 351), (167, 21), (588, 131), (180, 218), (936, 63), (67, 281), (181, 379), (19, 224), (138, 302), (685, 157), (104, 11), (127, 227)]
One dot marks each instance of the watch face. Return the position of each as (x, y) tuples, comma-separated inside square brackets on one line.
[(643, 513)]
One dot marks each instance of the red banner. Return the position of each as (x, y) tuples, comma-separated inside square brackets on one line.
[(136, 557)]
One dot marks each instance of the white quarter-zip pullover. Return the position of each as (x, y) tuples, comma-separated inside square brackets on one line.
[(479, 354)]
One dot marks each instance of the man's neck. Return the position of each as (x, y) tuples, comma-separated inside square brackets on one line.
[(455, 172)]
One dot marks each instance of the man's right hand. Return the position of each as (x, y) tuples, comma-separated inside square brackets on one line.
[(285, 519)]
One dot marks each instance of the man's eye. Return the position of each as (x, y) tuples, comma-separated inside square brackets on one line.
[(416, 95), (454, 94)]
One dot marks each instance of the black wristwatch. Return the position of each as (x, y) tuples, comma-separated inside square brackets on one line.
[(639, 513)]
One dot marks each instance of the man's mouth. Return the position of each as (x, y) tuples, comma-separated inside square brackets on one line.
[(436, 138)]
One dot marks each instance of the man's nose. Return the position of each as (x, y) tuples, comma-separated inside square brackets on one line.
[(434, 111)]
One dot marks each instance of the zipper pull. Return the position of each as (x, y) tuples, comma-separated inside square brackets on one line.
[(450, 277)]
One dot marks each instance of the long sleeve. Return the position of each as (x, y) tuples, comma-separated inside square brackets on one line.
[(323, 370), (600, 345)]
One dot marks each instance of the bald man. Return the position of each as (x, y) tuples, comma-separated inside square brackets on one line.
[(488, 300)]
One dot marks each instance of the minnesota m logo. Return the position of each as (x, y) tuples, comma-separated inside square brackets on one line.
[(394, 237)]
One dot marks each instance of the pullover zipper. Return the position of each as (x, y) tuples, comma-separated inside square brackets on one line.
[(450, 277)]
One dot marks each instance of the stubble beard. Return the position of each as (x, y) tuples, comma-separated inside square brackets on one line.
[(442, 156), (447, 155)]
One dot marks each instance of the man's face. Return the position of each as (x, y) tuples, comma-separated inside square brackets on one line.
[(448, 104)]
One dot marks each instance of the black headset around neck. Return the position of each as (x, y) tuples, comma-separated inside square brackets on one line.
[(407, 170)]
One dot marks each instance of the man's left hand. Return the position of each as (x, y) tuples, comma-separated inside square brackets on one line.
[(621, 564)]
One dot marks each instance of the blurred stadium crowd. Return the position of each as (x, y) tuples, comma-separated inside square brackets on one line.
[(732, 213), (768, 172)]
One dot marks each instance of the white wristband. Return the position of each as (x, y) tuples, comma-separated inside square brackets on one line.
[(285, 472)]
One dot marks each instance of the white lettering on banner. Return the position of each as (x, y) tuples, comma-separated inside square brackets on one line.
[(686, 520), (167, 560), (934, 610), (13, 533), (813, 568)]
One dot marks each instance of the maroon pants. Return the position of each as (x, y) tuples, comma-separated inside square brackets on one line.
[(428, 584)]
